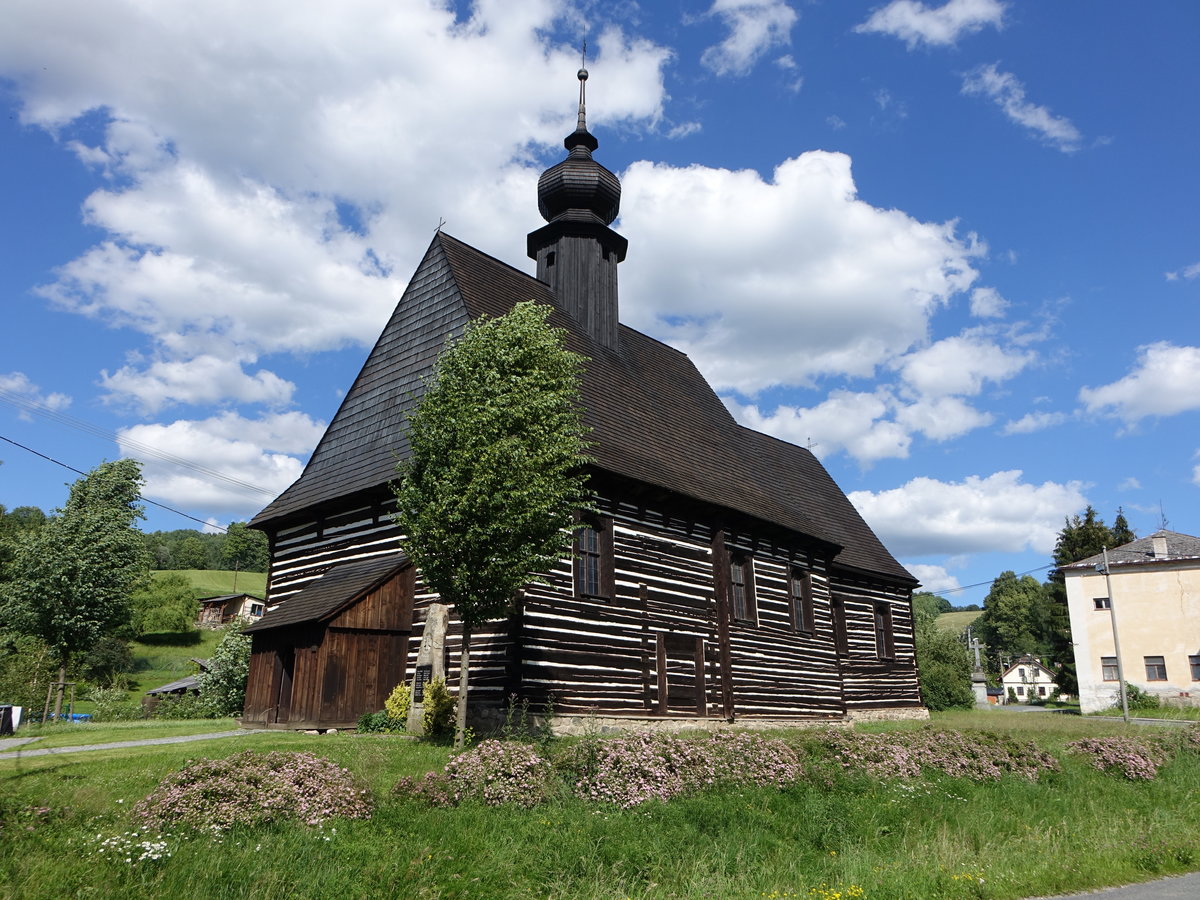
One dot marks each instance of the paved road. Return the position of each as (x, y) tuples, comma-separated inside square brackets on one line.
[(182, 739), (1181, 887)]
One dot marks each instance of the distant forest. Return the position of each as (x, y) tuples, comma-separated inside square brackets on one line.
[(240, 548)]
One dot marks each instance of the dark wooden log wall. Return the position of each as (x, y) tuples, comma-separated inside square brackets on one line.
[(608, 654)]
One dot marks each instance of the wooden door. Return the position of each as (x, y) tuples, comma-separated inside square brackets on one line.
[(680, 675)]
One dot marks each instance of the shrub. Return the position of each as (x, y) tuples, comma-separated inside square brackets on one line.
[(438, 716), (1137, 698), (496, 773), (223, 686), (628, 771), (252, 788), (182, 706), (978, 756), (397, 706), (374, 723), (112, 704), (1136, 759)]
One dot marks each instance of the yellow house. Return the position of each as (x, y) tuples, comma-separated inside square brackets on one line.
[(1156, 604)]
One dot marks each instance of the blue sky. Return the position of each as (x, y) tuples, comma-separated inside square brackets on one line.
[(952, 247)]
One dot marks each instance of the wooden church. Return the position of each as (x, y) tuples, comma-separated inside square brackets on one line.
[(725, 577)]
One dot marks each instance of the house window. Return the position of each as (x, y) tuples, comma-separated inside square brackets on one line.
[(1020, 690), (1156, 668), (1194, 661), (840, 641), (1102, 603), (594, 559), (885, 641), (256, 609), (1108, 664), (741, 588), (1021, 674), (803, 617), (1041, 690)]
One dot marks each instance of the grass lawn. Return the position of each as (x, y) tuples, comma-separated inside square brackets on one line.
[(75, 734), (937, 837)]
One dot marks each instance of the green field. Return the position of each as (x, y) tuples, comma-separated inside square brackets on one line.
[(957, 622), (932, 838), (216, 582)]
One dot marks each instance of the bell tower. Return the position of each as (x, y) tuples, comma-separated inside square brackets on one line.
[(576, 252)]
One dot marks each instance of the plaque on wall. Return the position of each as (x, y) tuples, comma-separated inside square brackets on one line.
[(423, 675)]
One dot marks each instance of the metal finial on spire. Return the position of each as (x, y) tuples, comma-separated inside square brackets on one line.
[(583, 75)]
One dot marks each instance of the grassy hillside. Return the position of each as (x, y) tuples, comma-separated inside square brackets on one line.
[(214, 582), (957, 622)]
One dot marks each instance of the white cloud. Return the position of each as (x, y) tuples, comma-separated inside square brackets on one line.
[(226, 237), (933, 578), (755, 26), (996, 513), (16, 388), (1008, 93), (1187, 272), (1130, 484), (204, 379), (854, 423), (915, 23), (1031, 422), (822, 282), (986, 303), (237, 464), (941, 418), (1166, 381), (959, 365), (1196, 472)]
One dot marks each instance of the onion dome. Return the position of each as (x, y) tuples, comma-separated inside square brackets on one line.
[(579, 188)]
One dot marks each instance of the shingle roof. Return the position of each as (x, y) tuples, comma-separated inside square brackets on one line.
[(337, 588), (653, 416), (1179, 546)]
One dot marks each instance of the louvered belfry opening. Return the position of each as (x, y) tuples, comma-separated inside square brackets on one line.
[(577, 253)]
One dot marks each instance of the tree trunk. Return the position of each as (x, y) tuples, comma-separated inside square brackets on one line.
[(464, 674), (58, 696)]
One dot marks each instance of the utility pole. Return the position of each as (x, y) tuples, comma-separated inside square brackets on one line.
[(1112, 612)]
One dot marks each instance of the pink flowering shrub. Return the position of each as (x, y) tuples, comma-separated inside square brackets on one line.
[(1137, 759), (251, 788), (628, 771), (978, 756), (494, 773), (742, 758)]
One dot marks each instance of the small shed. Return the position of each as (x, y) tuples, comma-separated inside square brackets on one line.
[(335, 649), (223, 609)]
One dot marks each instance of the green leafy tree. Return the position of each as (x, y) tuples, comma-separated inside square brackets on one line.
[(165, 605), (1082, 537), (1014, 619), (487, 499), (191, 553), (929, 605), (223, 686), (72, 577), (244, 548), (13, 524), (944, 666)]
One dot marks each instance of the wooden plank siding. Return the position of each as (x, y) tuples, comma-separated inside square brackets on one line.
[(654, 647)]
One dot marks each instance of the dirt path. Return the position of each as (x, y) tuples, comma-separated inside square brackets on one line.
[(181, 739)]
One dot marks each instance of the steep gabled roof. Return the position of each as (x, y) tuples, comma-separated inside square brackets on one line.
[(332, 592), (1179, 546), (653, 416)]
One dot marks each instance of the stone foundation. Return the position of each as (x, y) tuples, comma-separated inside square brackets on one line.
[(488, 721)]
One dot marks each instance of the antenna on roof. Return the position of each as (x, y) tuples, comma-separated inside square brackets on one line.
[(1162, 517)]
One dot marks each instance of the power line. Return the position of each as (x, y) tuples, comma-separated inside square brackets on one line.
[(967, 587), (141, 497), (54, 415)]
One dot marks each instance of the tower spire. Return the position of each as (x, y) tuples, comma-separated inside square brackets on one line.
[(583, 77), (576, 252)]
